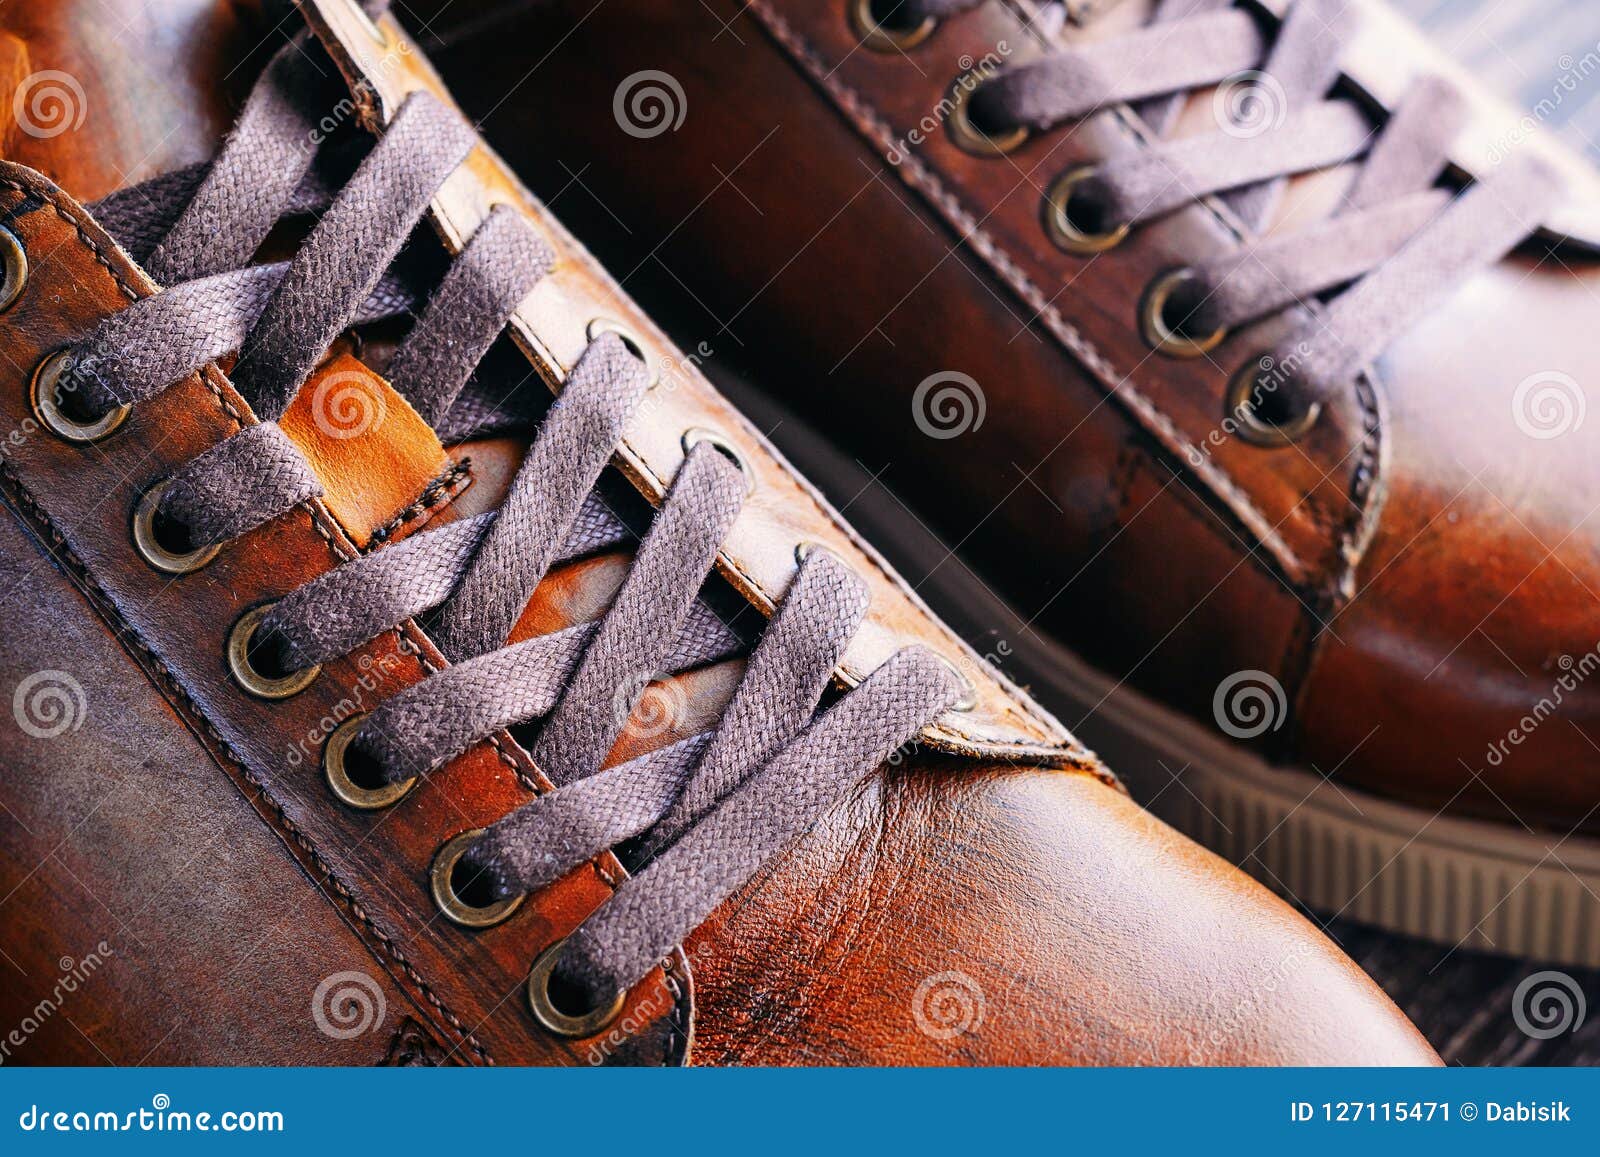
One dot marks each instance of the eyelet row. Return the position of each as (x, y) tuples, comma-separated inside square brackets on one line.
[(635, 344), (263, 684), (346, 789), (1064, 229), (541, 1002), (1070, 234), (1160, 331), (1244, 402)]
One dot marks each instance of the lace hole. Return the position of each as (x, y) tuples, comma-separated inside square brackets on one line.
[(886, 25), (254, 666), (1267, 415), (15, 260), (354, 777), (967, 134), (163, 544), (61, 411), (635, 344), (1072, 219), (559, 1009), (1165, 313), (460, 897), (698, 434)]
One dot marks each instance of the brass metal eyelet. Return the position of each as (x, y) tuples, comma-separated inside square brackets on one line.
[(695, 435), (1159, 333), (15, 259), (261, 685), (544, 1008), (347, 790), (147, 541), (883, 36), (968, 136), (1243, 406), (47, 407), (1063, 230), (636, 344), (969, 693), (442, 884)]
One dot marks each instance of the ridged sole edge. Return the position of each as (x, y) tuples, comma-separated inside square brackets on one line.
[(1339, 851), (1464, 883)]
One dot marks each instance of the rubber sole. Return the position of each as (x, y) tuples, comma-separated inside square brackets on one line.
[(1463, 883)]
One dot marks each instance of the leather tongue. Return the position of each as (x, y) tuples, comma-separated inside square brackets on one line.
[(101, 94)]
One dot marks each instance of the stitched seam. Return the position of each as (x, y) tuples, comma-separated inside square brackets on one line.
[(1209, 520), (1126, 468), (435, 495), (917, 174), (158, 670), (680, 1020), (1294, 659), (1353, 530), (158, 667)]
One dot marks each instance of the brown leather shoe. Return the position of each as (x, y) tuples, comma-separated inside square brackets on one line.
[(278, 631), (1289, 485)]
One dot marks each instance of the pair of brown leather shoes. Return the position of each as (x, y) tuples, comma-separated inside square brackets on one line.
[(187, 834), (1340, 624)]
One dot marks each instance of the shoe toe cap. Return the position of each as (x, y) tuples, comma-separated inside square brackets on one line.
[(1023, 917)]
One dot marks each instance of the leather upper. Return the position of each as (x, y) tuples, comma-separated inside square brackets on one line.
[(1089, 931), (1418, 572)]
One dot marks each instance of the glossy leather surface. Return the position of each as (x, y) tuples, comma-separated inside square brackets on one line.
[(1418, 573), (1089, 931)]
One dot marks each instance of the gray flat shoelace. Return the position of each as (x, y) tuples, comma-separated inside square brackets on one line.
[(700, 815), (1397, 245)]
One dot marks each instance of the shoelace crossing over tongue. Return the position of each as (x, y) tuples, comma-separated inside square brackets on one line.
[(1399, 243), (705, 812)]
